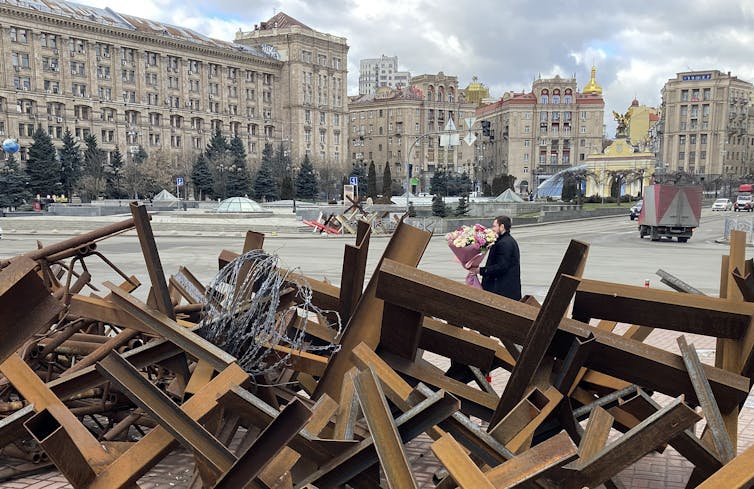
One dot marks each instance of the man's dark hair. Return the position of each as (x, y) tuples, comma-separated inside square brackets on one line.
[(505, 221)]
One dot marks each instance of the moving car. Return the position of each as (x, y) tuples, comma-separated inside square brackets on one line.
[(635, 210), (743, 203), (722, 205)]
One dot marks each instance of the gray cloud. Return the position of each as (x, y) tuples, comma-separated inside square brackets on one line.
[(636, 46)]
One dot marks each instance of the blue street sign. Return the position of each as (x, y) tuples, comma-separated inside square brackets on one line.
[(179, 181), (353, 180)]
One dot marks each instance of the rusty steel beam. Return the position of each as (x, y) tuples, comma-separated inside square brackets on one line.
[(406, 246), (676, 283), (105, 311), (534, 463), (354, 270), (103, 350), (349, 464), (461, 468), (12, 426), (147, 452), (383, 431), (596, 433), (269, 443), (159, 406), (662, 309), (612, 354), (715, 422), (462, 345), (26, 304), (152, 258), (737, 474), (637, 442), (166, 327), (537, 342), (50, 430)]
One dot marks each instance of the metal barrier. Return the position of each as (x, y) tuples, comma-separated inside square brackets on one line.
[(740, 224)]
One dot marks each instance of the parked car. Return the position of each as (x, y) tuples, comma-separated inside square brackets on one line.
[(743, 203), (722, 205), (635, 210)]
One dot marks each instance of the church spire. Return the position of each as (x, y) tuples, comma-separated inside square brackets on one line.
[(592, 86)]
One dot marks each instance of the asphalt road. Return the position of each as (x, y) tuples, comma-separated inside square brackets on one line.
[(616, 253)]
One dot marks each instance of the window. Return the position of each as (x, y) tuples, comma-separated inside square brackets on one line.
[(567, 99), (19, 35), (583, 115), (702, 155), (543, 99), (543, 116), (20, 59), (695, 95), (307, 136), (705, 110), (322, 118), (706, 94), (681, 155), (307, 116), (684, 111), (78, 89), (682, 139), (306, 56), (684, 95), (702, 139), (336, 120), (527, 142), (692, 139), (105, 93), (527, 129), (556, 99), (582, 129), (48, 40)]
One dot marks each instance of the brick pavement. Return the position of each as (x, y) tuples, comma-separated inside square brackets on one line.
[(666, 470)]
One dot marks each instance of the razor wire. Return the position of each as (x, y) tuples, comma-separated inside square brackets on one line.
[(241, 313)]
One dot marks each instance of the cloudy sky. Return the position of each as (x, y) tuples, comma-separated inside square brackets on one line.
[(636, 45)]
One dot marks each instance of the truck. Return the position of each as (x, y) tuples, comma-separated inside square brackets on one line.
[(670, 211), (743, 200)]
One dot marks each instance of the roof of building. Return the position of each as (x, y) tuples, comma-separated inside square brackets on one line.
[(592, 86), (392, 94), (281, 20), (113, 19)]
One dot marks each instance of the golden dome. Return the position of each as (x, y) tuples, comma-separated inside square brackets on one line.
[(476, 92), (592, 86)]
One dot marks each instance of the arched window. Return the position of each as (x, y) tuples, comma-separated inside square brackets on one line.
[(556, 96), (451, 95), (430, 93), (440, 94), (544, 96), (567, 98)]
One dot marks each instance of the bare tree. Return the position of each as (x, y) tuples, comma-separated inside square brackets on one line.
[(578, 178)]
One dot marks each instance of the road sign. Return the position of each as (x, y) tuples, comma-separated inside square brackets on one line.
[(470, 138), (179, 181), (353, 180), (450, 125), (470, 122)]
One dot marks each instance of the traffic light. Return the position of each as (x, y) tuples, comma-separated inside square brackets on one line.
[(486, 128)]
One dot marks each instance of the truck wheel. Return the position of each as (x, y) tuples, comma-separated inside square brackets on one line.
[(682, 239), (655, 236)]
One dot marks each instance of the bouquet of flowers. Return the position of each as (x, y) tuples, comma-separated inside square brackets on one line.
[(469, 244)]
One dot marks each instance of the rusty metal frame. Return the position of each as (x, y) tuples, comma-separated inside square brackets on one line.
[(269, 443), (461, 468), (612, 354), (176, 422)]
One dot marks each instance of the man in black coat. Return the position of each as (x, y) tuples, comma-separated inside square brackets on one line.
[(502, 273)]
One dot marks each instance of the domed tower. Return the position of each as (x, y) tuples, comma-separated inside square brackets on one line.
[(592, 86), (476, 92)]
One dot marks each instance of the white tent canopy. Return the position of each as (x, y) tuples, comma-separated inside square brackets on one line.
[(164, 195), (509, 196)]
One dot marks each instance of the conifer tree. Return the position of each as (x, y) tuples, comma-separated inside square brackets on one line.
[(306, 181), (438, 206), (42, 167), (372, 181), (71, 164), (94, 168), (387, 181), (201, 177), (13, 184), (265, 185), (113, 189), (286, 188), (463, 207), (239, 183)]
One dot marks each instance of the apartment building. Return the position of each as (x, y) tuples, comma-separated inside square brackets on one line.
[(704, 124), (131, 81), (381, 72), (314, 92), (534, 135), (405, 125)]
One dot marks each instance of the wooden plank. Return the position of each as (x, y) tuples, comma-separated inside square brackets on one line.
[(459, 465), (710, 408), (596, 433), (662, 309), (629, 360), (537, 342), (406, 246), (387, 441)]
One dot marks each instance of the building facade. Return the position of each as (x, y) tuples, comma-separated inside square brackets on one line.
[(642, 118), (314, 86), (536, 134), (381, 72), (131, 82), (400, 125), (704, 129)]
